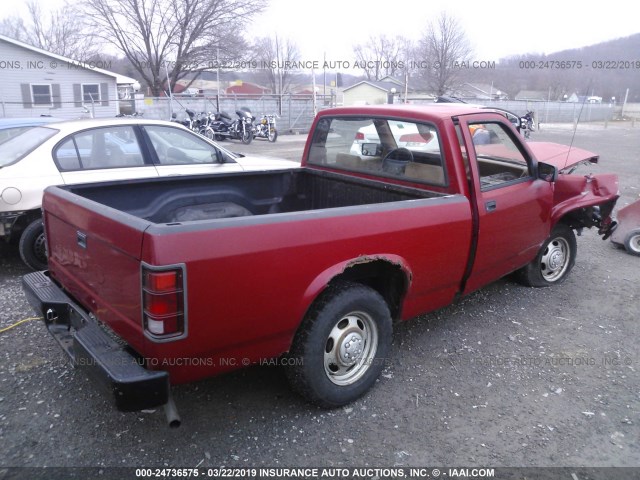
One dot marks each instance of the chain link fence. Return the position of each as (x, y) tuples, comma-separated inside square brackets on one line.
[(295, 112)]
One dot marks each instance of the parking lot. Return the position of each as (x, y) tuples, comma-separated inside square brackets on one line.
[(508, 376)]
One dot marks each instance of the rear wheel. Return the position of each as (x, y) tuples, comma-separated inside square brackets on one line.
[(32, 246), (632, 242), (340, 348), (554, 260)]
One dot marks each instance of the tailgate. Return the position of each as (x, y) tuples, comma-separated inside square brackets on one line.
[(94, 252)]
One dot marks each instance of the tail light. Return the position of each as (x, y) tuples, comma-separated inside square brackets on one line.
[(163, 302), (359, 136)]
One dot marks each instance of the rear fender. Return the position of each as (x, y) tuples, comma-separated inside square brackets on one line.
[(318, 285), (585, 201)]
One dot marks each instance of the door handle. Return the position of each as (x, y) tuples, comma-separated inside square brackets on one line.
[(81, 238), (490, 206)]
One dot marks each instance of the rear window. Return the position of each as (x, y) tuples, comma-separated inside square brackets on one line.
[(385, 147), (17, 142)]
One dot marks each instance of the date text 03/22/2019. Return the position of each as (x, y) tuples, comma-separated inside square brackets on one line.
[(579, 65)]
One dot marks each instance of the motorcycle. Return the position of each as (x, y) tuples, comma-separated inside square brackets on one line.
[(266, 128), (197, 122), (190, 121), (527, 124), (238, 129)]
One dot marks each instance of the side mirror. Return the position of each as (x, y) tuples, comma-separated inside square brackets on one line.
[(547, 172), (371, 150)]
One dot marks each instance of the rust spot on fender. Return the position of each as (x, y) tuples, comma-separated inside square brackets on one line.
[(365, 259)]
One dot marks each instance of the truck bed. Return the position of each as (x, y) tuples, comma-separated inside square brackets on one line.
[(185, 199), (249, 244)]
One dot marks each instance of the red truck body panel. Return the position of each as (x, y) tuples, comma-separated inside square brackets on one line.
[(249, 281), (249, 286)]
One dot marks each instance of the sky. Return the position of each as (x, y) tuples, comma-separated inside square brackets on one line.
[(496, 28)]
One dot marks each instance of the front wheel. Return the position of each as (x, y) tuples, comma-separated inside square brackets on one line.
[(340, 348), (554, 261), (32, 246), (207, 132), (247, 136), (632, 242), (273, 135)]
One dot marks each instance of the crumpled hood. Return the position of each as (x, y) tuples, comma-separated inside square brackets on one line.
[(561, 156)]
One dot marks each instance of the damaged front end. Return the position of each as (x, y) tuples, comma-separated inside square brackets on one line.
[(586, 201)]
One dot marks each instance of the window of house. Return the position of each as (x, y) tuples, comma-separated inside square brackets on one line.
[(41, 95), (90, 92)]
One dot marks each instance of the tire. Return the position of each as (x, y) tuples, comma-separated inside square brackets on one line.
[(246, 136), (272, 136), (341, 345), (554, 261), (207, 132), (32, 246), (632, 242)]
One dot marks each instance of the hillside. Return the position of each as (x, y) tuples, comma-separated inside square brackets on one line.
[(605, 69)]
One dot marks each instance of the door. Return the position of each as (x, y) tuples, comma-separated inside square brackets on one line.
[(102, 154), (512, 206)]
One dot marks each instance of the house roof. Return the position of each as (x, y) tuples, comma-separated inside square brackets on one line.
[(478, 90), (384, 86), (531, 95), (247, 87), (391, 79), (120, 79)]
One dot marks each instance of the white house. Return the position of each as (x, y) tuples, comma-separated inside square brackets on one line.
[(36, 82)]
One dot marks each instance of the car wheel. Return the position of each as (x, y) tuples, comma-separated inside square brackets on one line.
[(554, 260), (32, 246), (632, 242), (339, 350)]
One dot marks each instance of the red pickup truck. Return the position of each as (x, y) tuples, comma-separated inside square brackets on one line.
[(396, 211)]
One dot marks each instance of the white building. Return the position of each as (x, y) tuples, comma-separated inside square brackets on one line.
[(35, 82)]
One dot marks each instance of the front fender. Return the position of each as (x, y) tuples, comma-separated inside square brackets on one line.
[(575, 198)]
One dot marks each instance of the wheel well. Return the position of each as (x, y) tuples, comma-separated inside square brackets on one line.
[(388, 279), (23, 222)]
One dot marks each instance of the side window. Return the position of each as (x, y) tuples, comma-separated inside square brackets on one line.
[(391, 148), (499, 159), (111, 147), (41, 95), (175, 146), (90, 92)]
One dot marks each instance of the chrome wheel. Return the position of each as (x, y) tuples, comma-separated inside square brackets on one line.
[(350, 348), (632, 242), (555, 259)]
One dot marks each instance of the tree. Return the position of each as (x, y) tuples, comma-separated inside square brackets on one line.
[(381, 56), (445, 47), (276, 60), (58, 31), (173, 37)]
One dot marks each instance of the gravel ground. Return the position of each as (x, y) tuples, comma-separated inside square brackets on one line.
[(508, 376)]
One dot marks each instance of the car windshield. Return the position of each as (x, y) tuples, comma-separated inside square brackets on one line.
[(17, 142)]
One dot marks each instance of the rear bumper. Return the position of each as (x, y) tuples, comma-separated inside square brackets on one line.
[(119, 373)]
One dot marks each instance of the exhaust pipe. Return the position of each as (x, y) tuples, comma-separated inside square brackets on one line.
[(170, 410)]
